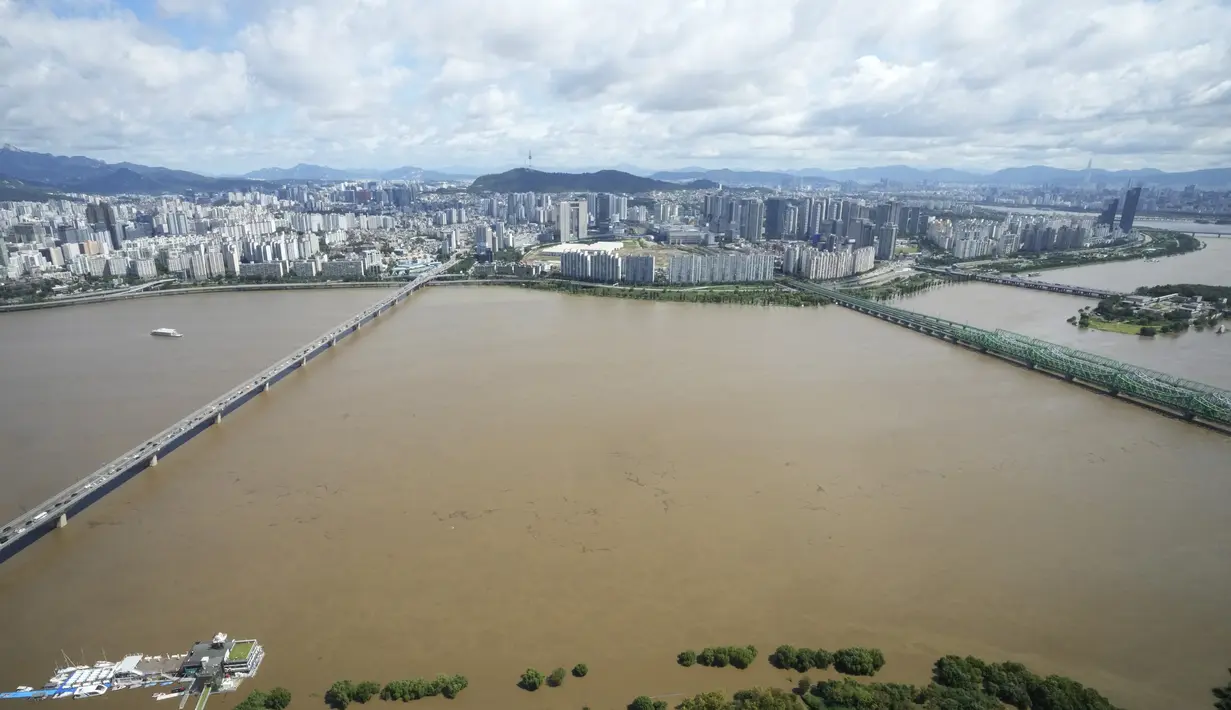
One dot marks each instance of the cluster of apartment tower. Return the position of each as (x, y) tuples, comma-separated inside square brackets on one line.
[(601, 266)]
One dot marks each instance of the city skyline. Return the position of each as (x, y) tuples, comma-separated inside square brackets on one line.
[(223, 87)]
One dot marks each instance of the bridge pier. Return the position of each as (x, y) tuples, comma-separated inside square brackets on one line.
[(153, 460), (303, 361), (62, 521), (265, 387), (218, 418), (334, 341)]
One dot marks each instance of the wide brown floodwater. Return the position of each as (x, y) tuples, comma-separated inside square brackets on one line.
[(492, 479), (83, 384)]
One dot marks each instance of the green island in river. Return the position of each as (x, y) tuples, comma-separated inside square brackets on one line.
[(1151, 310)]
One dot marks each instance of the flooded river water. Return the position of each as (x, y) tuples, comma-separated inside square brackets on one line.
[(491, 479)]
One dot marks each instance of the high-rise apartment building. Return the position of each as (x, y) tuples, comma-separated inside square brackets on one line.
[(752, 220), (572, 220), (102, 215), (887, 241), (775, 217)]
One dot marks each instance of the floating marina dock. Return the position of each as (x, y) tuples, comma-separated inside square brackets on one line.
[(216, 666)]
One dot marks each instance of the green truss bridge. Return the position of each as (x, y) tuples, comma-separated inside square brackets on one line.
[(1193, 401)]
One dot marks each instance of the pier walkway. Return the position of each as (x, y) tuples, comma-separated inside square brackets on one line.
[(1189, 400), (55, 511), (1019, 282)]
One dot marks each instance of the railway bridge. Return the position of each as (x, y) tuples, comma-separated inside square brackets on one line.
[(1164, 393)]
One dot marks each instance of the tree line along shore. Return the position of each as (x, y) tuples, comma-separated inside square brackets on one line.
[(956, 683)]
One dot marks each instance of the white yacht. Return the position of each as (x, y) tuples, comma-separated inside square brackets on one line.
[(167, 332), (90, 691)]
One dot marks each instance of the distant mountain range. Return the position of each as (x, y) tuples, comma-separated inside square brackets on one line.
[(36, 176), (26, 175), (1030, 175), (305, 171), (526, 180)]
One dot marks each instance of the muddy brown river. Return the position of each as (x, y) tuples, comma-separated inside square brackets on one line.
[(491, 479)]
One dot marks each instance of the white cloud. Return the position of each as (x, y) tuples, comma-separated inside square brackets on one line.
[(212, 10), (743, 83)]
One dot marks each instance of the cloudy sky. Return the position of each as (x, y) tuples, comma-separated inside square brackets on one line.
[(233, 85)]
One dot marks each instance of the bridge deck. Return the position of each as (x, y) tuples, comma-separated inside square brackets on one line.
[(23, 529), (1174, 395), (1021, 283)]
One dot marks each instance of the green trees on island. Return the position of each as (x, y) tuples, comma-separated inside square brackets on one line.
[(1222, 696), (1014, 684), (751, 699), (365, 691), (959, 684), (1206, 292), (739, 295), (801, 659), (644, 702), (531, 680), (416, 688), (275, 699), (342, 693), (719, 657), (858, 661)]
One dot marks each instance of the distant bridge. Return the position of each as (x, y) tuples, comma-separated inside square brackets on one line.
[(1020, 282), (55, 511), (1189, 400)]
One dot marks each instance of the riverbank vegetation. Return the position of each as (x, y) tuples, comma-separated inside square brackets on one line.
[(1161, 243), (277, 698), (851, 661), (1222, 696), (344, 692), (738, 295), (719, 657), (800, 659), (957, 684), (462, 266), (896, 289)]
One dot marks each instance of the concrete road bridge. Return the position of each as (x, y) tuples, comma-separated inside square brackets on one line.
[(1020, 282), (55, 512)]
